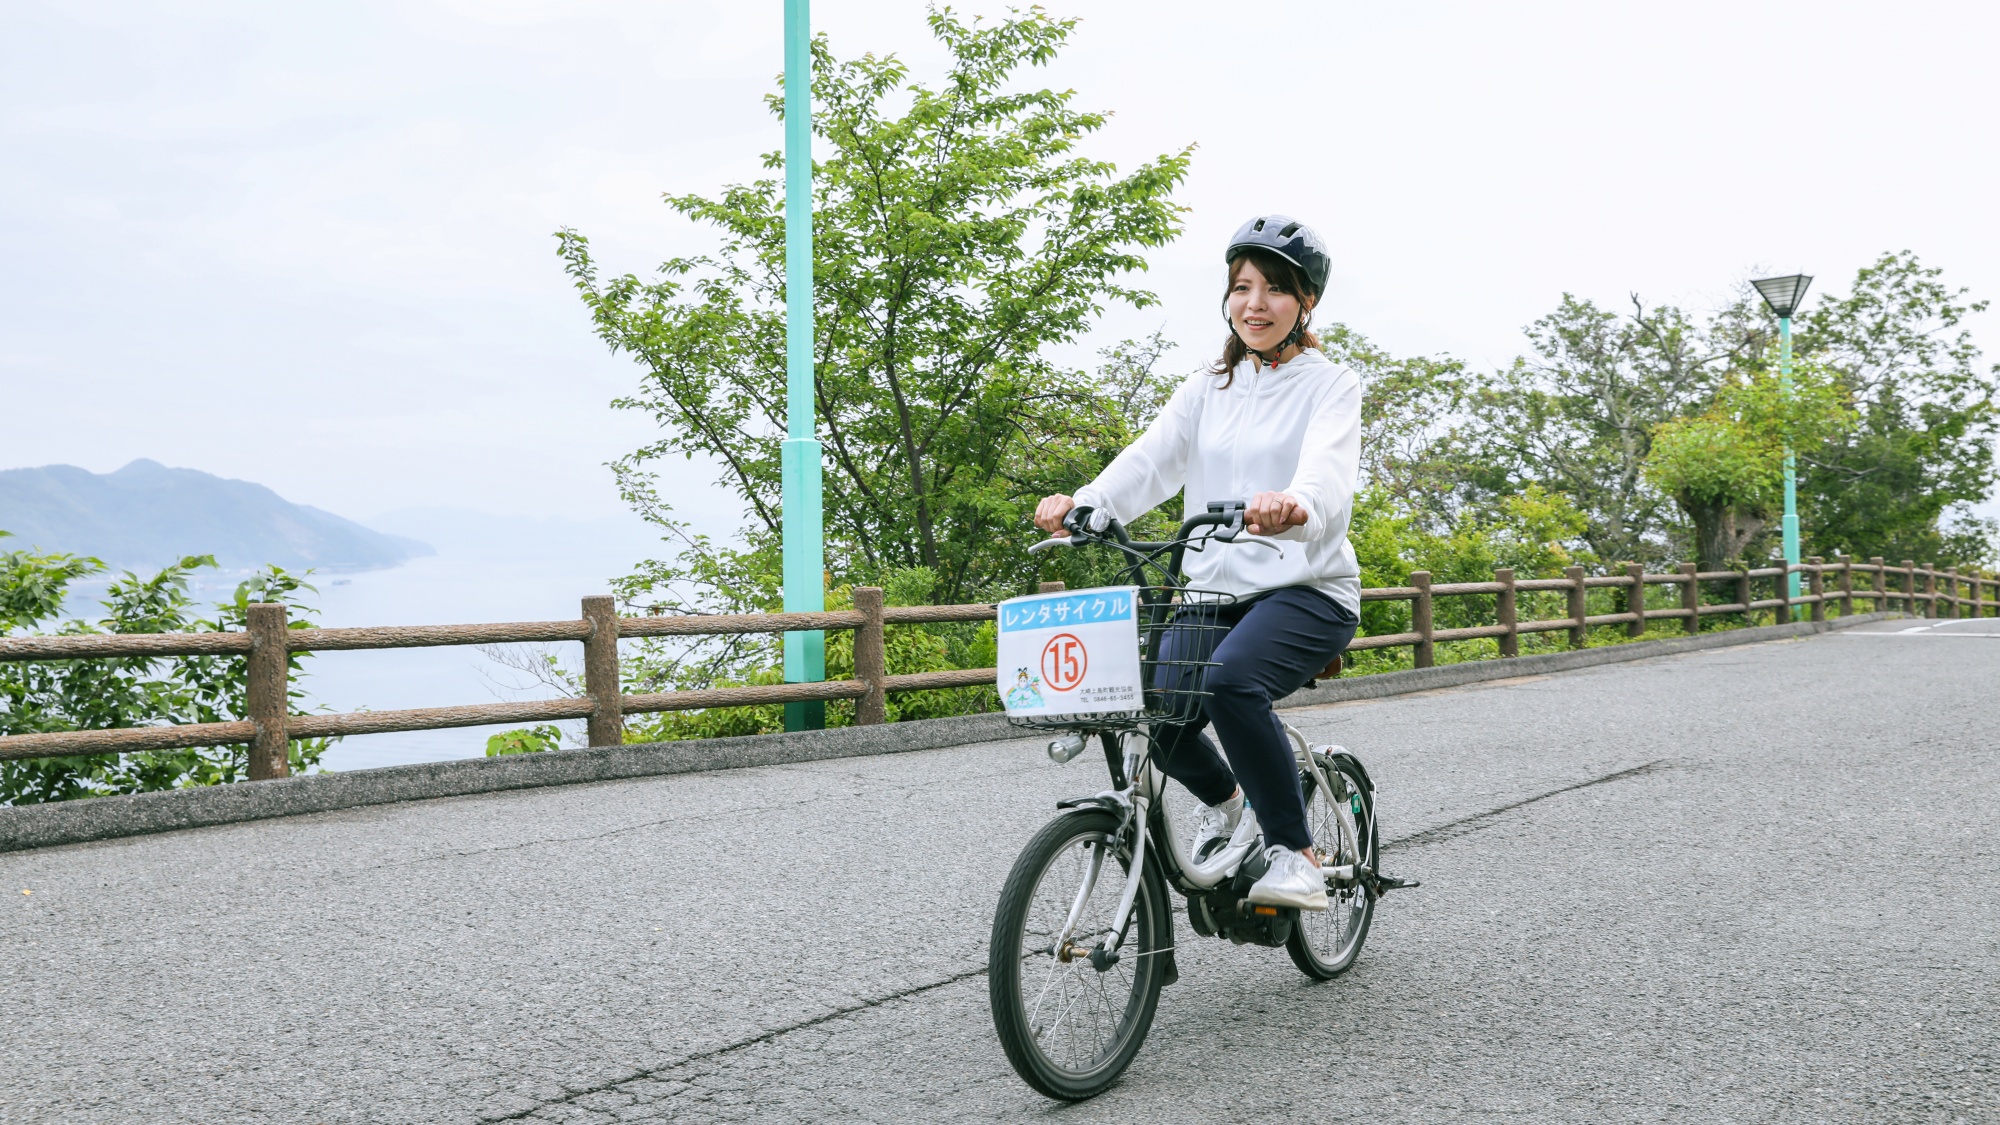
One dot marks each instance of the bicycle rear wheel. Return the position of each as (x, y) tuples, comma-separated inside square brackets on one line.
[(1069, 1026), (1325, 944)]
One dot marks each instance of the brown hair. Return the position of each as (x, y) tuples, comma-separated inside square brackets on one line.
[(1282, 274)]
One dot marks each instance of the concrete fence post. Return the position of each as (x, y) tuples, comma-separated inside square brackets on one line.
[(1578, 608), (1050, 588), (1691, 598), (1635, 599), (1743, 591), (1420, 618), (1910, 603), (1951, 592), (1847, 585), (1881, 582), (1930, 591), (871, 659), (606, 725), (1818, 588), (1509, 617), (268, 690)]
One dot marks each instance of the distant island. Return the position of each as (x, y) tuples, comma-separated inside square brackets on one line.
[(148, 515)]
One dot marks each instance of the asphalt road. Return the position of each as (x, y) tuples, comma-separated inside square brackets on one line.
[(1749, 884)]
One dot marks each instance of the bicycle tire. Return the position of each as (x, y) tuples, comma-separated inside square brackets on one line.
[(1325, 944), (1015, 965)]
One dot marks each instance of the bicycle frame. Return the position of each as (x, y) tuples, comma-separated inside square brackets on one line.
[(1141, 796)]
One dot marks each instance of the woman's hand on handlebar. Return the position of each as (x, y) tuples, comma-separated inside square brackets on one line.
[(1268, 513), (1050, 512)]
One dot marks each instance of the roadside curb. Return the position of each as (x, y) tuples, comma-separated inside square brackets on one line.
[(100, 818)]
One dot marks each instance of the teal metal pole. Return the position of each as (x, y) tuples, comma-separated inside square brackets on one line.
[(805, 551), (1791, 465)]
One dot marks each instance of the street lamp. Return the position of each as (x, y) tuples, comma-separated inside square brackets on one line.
[(805, 552), (1783, 294)]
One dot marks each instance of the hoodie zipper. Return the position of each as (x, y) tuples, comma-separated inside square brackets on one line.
[(1250, 395)]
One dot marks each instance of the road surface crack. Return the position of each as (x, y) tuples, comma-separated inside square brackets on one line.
[(752, 1041), (1468, 825)]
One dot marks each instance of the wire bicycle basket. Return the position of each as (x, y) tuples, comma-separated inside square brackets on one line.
[(1177, 651)]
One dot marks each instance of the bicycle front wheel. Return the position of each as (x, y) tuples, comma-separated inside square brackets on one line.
[(1071, 1025)]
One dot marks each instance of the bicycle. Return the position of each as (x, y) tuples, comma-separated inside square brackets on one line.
[(1081, 948)]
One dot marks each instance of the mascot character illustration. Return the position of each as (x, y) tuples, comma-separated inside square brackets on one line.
[(1026, 692)]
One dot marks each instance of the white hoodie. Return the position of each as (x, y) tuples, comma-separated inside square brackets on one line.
[(1296, 429)]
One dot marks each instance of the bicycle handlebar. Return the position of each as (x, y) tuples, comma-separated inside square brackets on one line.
[(1088, 525)]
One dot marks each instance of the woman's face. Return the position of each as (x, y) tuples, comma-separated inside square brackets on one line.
[(1262, 312)]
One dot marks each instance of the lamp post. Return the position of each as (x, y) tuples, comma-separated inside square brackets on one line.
[(805, 552), (1783, 294)]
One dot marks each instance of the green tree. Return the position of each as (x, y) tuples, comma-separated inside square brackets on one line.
[(1897, 483), (43, 696), (959, 237), (1578, 417), (1725, 466), (1412, 431)]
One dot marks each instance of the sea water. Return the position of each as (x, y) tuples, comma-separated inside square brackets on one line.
[(487, 569)]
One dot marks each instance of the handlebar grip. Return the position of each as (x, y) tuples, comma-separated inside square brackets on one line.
[(1082, 517)]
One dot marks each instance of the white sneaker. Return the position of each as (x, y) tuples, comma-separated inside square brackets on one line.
[(1293, 880), (1215, 822)]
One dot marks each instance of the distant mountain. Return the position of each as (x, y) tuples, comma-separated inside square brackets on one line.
[(148, 515)]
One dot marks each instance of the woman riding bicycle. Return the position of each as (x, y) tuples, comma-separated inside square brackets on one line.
[(1276, 422)]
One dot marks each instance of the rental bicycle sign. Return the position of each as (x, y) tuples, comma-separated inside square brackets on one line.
[(1071, 653)]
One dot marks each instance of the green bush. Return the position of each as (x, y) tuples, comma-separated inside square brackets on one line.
[(1538, 533), (44, 696), (526, 740)]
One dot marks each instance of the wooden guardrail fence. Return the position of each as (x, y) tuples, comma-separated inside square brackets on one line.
[(268, 639)]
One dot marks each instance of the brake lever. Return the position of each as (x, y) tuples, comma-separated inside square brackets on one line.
[(1235, 535), (1045, 544)]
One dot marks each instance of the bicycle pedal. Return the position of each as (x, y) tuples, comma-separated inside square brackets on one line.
[(1379, 885)]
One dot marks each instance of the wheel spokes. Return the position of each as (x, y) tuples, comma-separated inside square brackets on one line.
[(1339, 837), (1076, 1014)]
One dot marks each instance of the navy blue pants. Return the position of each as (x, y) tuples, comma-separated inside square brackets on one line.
[(1275, 643)]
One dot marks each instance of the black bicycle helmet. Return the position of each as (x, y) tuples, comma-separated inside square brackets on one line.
[(1289, 239)]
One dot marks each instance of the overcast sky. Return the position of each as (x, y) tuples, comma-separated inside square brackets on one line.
[(309, 245)]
